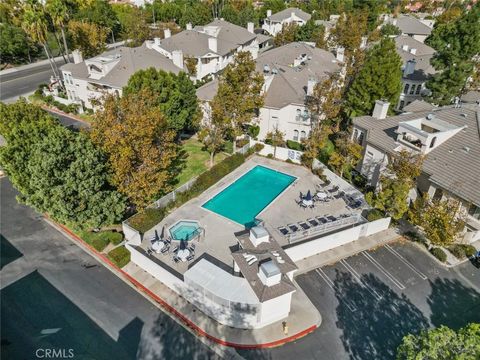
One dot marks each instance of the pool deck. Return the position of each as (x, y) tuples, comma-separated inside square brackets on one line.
[(219, 231)]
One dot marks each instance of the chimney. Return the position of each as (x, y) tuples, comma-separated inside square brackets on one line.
[(405, 47), (394, 22), (177, 58), (269, 273), (77, 56), (189, 26), (311, 86), (269, 13), (340, 54), (363, 44), (156, 41), (212, 44), (413, 51), (409, 68), (292, 14), (167, 33), (250, 27), (380, 110)]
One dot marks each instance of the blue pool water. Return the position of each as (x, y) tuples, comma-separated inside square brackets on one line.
[(243, 200), (184, 230)]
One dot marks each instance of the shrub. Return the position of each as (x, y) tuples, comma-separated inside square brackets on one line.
[(268, 141), (258, 147), (439, 254), (294, 145), (242, 142), (318, 171), (270, 156), (145, 220), (289, 161), (326, 151), (413, 236), (99, 240), (462, 251), (120, 256), (375, 214), (253, 131)]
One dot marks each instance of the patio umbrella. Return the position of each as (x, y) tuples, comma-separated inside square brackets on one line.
[(308, 197), (162, 235)]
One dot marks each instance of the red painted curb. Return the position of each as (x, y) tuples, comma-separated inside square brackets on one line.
[(182, 317), (47, 108)]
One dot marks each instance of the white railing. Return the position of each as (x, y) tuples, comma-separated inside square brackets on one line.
[(324, 228), (171, 196)]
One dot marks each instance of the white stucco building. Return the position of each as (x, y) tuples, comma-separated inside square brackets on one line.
[(291, 73), (273, 23), (448, 137), (411, 26)]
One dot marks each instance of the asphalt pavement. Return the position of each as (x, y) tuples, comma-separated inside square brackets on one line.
[(56, 296)]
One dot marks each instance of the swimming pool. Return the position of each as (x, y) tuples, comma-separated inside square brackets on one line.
[(243, 200), (184, 230)]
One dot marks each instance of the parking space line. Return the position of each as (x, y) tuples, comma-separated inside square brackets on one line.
[(357, 277), (406, 262), (383, 270), (330, 283)]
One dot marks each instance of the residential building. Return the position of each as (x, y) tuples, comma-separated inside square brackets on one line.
[(273, 24), (328, 24), (212, 47), (87, 81), (411, 26), (448, 137), (416, 69), (290, 72)]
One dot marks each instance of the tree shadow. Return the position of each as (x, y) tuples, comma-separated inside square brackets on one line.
[(178, 165), (453, 304), (373, 328)]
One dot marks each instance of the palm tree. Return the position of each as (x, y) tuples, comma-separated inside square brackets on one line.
[(34, 23), (58, 11)]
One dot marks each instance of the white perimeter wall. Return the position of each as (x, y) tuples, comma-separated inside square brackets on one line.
[(275, 309), (281, 153), (314, 247)]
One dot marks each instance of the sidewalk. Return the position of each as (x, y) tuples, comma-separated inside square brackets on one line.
[(304, 318)]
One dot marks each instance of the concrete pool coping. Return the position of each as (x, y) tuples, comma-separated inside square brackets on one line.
[(178, 222)]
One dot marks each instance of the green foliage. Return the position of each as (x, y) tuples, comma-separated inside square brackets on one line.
[(294, 145), (89, 37), (147, 219), (379, 78), (175, 96), (457, 46), (253, 131), (462, 251), (442, 343), (120, 256), (414, 236), (181, 11), (15, 48), (392, 198), (239, 14), (390, 30), (258, 147), (309, 32), (439, 254), (101, 13), (100, 240), (133, 23), (375, 214)]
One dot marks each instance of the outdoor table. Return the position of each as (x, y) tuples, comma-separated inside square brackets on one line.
[(307, 202), (321, 195), (157, 246), (183, 254)]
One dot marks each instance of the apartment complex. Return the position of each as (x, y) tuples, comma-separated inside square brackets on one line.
[(273, 24), (449, 137), (291, 73), (409, 25)]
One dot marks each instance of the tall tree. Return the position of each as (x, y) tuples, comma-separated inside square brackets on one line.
[(101, 13), (346, 156), (89, 38), (379, 78), (213, 132), (141, 149), (239, 80), (286, 35), (34, 23), (175, 96), (442, 343), (133, 23), (316, 141), (458, 48), (15, 47), (58, 11)]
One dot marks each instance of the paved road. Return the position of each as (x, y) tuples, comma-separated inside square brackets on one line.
[(54, 295), (370, 301), (24, 81)]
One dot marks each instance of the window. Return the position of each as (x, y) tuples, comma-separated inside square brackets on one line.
[(402, 104), (432, 144), (412, 90), (405, 89), (419, 87), (295, 135), (303, 135), (355, 134), (360, 138), (474, 211), (298, 115), (305, 115), (438, 194)]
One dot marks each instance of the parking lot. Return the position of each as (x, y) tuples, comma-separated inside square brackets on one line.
[(369, 301)]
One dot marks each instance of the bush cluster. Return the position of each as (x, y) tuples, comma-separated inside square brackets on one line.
[(375, 214), (414, 236), (120, 256), (294, 145), (462, 251), (100, 240), (144, 221), (439, 254)]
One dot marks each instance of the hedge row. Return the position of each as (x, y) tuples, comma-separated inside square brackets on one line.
[(439, 254), (100, 240), (462, 251), (147, 219)]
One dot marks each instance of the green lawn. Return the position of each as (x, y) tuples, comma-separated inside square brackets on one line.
[(197, 160)]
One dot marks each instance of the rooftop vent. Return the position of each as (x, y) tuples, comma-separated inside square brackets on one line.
[(258, 235), (269, 273), (430, 116), (463, 115), (274, 71), (466, 149)]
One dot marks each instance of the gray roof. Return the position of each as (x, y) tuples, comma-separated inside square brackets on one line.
[(471, 97), (261, 38), (418, 105), (449, 165), (131, 60), (422, 57), (289, 84), (264, 255), (409, 24), (195, 42), (285, 14)]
